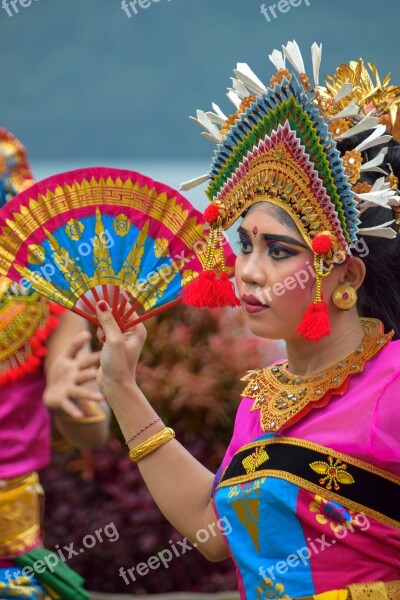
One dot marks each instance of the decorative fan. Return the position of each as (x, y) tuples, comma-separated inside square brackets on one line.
[(98, 233)]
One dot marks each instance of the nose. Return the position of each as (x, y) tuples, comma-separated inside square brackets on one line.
[(252, 270)]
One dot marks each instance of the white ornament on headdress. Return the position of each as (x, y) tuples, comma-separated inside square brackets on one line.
[(373, 165), (365, 124), (234, 98), (293, 54), (214, 118), (351, 110), (384, 231), (250, 79), (239, 88), (316, 55), (343, 92), (377, 138), (380, 195), (278, 60), (192, 183), (219, 111), (207, 125)]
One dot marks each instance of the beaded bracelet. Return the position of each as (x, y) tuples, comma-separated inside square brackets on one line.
[(141, 431), (152, 444)]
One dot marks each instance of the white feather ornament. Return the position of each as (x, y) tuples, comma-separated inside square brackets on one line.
[(278, 60), (293, 54), (219, 111), (210, 137), (343, 92), (239, 88), (214, 118), (383, 231), (351, 110), (208, 125), (192, 183), (316, 55), (234, 98), (380, 184), (373, 165), (384, 199), (365, 124), (376, 138), (249, 79)]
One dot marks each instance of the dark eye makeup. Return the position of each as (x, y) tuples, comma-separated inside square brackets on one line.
[(275, 250)]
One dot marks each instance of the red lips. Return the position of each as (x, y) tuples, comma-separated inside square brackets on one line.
[(253, 300)]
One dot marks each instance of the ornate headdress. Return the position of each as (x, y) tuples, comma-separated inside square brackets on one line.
[(280, 146), (15, 172)]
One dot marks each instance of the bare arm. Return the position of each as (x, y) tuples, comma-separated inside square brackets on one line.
[(179, 484), (80, 413)]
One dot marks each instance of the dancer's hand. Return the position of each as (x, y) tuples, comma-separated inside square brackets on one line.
[(120, 353), (68, 376)]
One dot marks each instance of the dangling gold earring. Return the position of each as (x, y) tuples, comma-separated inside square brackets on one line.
[(344, 297)]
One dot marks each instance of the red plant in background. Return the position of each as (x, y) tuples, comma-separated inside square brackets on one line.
[(190, 371)]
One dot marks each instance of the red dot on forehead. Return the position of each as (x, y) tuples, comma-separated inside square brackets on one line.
[(255, 230)]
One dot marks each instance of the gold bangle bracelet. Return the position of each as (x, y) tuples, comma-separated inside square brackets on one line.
[(150, 445)]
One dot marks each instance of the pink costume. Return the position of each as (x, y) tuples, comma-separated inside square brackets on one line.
[(289, 540)]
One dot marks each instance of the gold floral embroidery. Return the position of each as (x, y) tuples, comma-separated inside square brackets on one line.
[(255, 459), (334, 471), (269, 590)]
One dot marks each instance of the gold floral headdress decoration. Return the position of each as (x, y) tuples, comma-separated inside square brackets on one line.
[(280, 146), (15, 172)]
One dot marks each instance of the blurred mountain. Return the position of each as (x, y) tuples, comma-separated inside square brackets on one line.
[(82, 79)]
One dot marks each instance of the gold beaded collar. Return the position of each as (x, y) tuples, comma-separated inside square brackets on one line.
[(284, 398)]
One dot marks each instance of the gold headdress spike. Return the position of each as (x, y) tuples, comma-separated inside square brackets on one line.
[(280, 146)]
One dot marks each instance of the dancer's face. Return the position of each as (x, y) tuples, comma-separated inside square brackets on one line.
[(274, 273)]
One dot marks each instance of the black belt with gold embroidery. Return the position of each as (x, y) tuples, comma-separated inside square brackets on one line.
[(336, 476)]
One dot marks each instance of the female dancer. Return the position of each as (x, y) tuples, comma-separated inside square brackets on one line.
[(310, 481), (45, 365)]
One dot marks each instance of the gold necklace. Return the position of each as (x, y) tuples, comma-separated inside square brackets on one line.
[(284, 398)]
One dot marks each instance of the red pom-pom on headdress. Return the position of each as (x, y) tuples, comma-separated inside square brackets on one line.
[(321, 244), (211, 213)]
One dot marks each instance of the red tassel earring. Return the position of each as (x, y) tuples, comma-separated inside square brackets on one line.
[(208, 290), (315, 322)]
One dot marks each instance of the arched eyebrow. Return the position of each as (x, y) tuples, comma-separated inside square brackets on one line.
[(274, 237)]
